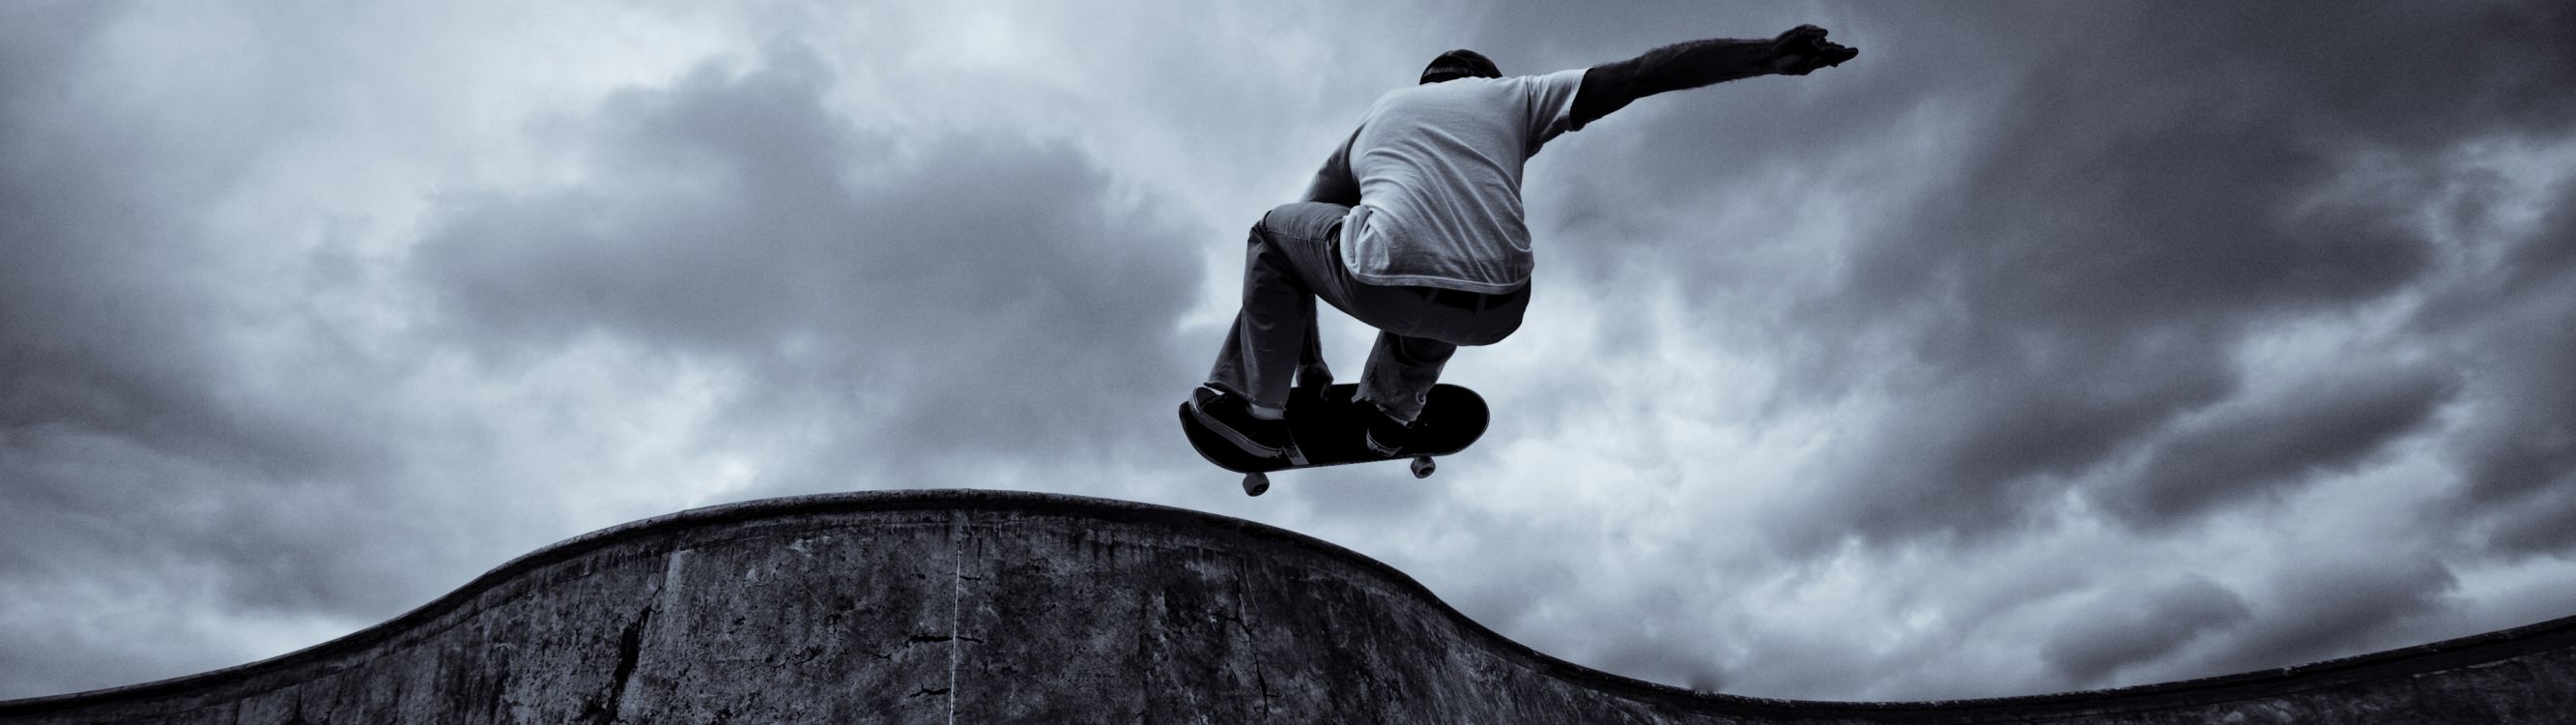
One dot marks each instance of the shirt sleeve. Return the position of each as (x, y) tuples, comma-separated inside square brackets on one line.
[(1550, 101), (1334, 183)]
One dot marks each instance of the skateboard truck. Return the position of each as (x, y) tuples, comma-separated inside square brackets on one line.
[(1257, 483)]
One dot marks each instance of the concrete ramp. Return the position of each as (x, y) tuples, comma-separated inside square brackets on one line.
[(979, 606)]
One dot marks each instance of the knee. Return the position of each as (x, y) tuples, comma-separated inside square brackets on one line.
[(1273, 221), (1299, 220), (1275, 227), (1262, 226), (1260, 231)]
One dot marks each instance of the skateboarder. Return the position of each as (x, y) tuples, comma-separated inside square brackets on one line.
[(1414, 227)]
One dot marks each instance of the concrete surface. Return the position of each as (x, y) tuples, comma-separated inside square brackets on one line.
[(981, 606)]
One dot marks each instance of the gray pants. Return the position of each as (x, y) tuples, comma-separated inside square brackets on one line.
[(1294, 258)]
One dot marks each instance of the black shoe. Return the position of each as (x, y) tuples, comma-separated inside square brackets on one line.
[(1386, 436), (1230, 417)]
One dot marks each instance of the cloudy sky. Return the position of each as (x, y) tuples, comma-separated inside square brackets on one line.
[(2044, 346)]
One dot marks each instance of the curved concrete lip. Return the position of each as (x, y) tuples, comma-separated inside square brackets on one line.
[(2465, 652)]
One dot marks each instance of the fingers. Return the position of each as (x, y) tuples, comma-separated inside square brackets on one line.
[(1803, 49), (1800, 36), (1834, 55)]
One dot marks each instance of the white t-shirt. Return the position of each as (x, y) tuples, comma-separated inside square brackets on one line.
[(1439, 172)]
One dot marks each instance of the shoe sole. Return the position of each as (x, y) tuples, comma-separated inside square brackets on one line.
[(1227, 432)]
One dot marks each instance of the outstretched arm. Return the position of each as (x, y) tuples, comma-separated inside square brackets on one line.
[(1692, 64)]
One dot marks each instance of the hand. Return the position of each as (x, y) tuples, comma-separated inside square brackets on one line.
[(1803, 49)]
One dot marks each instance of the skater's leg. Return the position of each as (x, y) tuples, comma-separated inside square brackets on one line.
[(1276, 332), (1311, 370), (1400, 373)]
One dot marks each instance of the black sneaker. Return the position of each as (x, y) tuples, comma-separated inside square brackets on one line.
[(1230, 417), (1386, 437)]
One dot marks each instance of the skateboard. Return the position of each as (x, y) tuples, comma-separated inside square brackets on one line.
[(1329, 429)]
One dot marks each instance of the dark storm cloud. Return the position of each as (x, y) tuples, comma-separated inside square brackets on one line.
[(134, 463), (2138, 199), (2519, 456), (2242, 453), (110, 379), (949, 299), (2131, 627), (97, 292), (2326, 605)]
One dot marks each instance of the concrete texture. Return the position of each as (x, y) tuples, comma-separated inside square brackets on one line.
[(979, 606)]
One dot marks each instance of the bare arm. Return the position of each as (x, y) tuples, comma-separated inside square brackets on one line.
[(1697, 63)]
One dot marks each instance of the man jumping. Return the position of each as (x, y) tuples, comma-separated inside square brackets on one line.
[(1414, 227)]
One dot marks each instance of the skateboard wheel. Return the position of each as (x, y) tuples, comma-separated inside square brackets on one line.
[(1422, 466), (1255, 483)]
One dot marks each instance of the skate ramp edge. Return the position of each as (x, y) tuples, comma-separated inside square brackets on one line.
[(992, 606)]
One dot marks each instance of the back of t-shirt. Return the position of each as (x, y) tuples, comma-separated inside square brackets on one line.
[(1439, 171)]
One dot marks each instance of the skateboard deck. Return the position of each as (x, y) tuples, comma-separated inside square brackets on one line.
[(1329, 429)]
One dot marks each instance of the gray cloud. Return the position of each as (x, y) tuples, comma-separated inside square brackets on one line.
[(2519, 457), (91, 341), (116, 397), (2141, 626), (138, 467), (2245, 452), (2328, 605), (940, 299), (2140, 197)]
